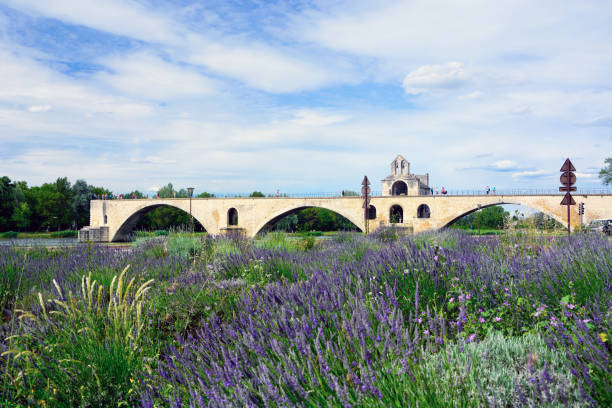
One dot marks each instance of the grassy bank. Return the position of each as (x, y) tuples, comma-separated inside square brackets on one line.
[(31, 235)]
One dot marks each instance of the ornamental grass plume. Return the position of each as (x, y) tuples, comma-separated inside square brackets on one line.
[(80, 349)]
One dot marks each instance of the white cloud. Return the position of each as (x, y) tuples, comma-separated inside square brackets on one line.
[(262, 67), (531, 174), (434, 77), (587, 175), (308, 117), (504, 164), (146, 76), (473, 95), (122, 17), (604, 121), (39, 108)]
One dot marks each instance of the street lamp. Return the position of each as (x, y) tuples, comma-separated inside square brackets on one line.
[(190, 190)]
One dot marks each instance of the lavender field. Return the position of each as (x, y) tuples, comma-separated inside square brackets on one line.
[(435, 320)]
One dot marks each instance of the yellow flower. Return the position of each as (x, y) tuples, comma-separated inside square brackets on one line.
[(604, 337), (54, 391)]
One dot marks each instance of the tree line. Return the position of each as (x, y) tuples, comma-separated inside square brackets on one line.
[(54, 206)]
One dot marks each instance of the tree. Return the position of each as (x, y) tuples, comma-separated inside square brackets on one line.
[(65, 215), (100, 191), (166, 191), (205, 195), (135, 194), (351, 193), (8, 202), (82, 194), (490, 217), (257, 194), (605, 174)]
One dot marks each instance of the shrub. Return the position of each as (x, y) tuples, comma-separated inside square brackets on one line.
[(520, 371), (81, 350), (9, 234), (64, 234)]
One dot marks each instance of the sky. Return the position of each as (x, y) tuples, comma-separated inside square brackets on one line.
[(304, 96)]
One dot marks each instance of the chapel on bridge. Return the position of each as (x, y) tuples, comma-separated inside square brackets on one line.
[(402, 182)]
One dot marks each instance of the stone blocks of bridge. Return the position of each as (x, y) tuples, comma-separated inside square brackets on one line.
[(253, 214)]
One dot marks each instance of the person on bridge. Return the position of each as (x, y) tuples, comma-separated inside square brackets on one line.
[(444, 190), (488, 190), (493, 189)]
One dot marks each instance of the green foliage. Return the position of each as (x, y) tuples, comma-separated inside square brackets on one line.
[(82, 350), (489, 372), (8, 200), (321, 219), (489, 217), (9, 234), (257, 194), (64, 234), (351, 193), (184, 245), (205, 195), (168, 191), (605, 174)]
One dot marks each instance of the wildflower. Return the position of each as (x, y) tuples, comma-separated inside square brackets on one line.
[(571, 306), (497, 318), (481, 320), (604, 337), (426, 332), (586, 320), (451, 300), (471, 338), (435, 258)]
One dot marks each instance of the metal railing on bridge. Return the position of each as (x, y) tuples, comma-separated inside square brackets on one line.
[(465, 192)]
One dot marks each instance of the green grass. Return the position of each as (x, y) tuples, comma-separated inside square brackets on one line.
[(31, 235)]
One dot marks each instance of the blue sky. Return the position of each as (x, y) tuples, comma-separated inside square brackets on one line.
[(304, 96)]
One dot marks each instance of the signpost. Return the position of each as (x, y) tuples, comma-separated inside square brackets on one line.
[(365, 193), (568, 178)]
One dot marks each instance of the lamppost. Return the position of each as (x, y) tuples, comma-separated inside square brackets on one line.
[(190, 190)]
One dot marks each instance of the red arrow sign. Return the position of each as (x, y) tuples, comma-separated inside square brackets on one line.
[(568, 200), (567, 166)]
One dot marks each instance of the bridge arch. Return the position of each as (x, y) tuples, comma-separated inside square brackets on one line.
[(447, 221), (127, 223), (279, 215)]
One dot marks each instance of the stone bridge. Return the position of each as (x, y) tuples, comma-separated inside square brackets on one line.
[(113, 220)]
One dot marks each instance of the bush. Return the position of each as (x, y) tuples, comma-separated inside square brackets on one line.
[(64, 234), (521, 371), (82, 350), (9, 234)]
